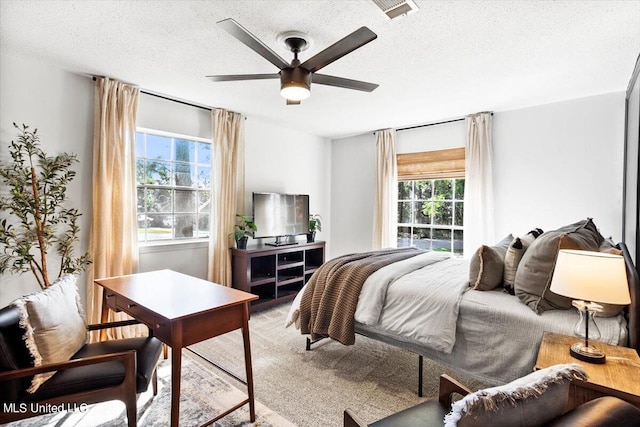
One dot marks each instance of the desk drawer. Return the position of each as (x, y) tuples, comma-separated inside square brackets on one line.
[(136, 311), (110, 299)]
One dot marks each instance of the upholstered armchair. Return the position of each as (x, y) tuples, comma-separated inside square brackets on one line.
[(32, 379), (538, 399)]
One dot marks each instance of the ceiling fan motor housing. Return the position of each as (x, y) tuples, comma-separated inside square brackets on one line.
[(296, 76)]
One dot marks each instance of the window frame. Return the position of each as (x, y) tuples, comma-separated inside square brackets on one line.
[(173, 188)]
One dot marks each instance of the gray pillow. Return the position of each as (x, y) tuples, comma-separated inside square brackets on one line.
[(514, 255), (487, 265), (532, 400), (533, 277)]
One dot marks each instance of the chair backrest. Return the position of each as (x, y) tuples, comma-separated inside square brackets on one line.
[(13, 354)]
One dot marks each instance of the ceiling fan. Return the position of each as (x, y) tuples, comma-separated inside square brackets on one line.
[(296, 77)]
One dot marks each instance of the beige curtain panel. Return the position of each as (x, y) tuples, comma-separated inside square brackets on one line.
[(114, 232), (228, 192), (478, 186), (385, 222)]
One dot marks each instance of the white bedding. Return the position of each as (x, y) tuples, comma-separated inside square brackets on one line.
[(489, 335)]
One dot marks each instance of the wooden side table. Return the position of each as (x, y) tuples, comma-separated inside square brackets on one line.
[(618, 376)]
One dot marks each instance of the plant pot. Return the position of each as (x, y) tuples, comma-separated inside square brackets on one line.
[(311, 237), (242, 243)]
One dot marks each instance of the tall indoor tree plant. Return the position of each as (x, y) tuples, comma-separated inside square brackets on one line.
[(33, 194)]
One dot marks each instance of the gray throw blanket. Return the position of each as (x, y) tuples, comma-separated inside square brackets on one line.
[(329, 302)]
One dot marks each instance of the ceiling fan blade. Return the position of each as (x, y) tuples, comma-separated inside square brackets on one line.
[(292, 102), (324, 79), (236, 77), (241, 33), (353, 41)]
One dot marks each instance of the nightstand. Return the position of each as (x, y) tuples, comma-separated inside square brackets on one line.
[(618, 376)]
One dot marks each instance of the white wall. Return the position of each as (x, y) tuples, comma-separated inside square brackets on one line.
[(553, 165), (60, 105), (288, 161), (558, 163)]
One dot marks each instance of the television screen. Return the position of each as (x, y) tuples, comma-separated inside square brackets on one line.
[(280, 214)]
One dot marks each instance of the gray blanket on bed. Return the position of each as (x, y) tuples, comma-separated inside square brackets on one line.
[(331, 296)]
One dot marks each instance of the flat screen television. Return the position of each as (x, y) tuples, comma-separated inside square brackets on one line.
[(280, 215)]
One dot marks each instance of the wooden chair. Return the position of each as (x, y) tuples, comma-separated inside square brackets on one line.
[(98, 372)]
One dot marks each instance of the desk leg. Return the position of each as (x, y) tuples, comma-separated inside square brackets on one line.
[(176, 365), (247, 362)]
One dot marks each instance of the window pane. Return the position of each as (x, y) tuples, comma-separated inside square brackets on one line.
[(157, 173), (459, 189), (140, 172), (158, 147), (203, 200), (185, 150), (203, 225), (204, 177), (185, 201), (443, 213), (185, 175), (159, 227), (444, 188), (404, 237), (185, 225), (441, 240), (423, 212), (139, 144), (159, 200), (459, 209), (457, 241), (404, 212), (404, 190), (423, 190), (140, 200), (422, 238), (204, 153)]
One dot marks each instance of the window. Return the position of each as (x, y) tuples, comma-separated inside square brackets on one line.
[(430, 214), (173, 175), (431, 200)]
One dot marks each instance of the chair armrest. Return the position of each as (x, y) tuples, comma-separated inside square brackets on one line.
[(99, 326), (449, 386), (127, 358), (351, 420)]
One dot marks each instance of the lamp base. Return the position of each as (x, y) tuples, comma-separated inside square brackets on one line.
[(587, 354)]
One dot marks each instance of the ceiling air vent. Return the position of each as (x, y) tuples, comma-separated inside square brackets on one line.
[(396, 8)]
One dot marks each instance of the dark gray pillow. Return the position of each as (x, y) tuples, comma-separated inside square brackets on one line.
[(528, 401), (533, 277), (487, 265)]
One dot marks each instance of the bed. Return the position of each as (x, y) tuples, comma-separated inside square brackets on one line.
[(422, 303)]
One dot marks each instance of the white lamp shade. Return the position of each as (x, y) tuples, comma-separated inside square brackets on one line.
[(294, 92), (591, 276)]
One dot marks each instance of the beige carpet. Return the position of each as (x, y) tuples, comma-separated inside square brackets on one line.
[(312, 388), (204, 394)]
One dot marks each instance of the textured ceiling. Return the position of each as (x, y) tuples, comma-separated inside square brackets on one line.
[(449, 59)]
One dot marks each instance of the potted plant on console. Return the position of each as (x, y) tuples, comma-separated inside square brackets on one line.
[(315, 224), (243, 230)]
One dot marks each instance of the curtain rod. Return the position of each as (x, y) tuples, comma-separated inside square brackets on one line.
[(432, 124), (179, 101)]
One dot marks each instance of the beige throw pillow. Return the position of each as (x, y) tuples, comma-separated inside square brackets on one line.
[(487, 265), (514, 255), (54, 325)]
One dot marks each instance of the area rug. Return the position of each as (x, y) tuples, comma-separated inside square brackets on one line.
[(204, 393), (312, 388)]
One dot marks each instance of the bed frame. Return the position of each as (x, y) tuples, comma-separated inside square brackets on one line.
[(632, 314)]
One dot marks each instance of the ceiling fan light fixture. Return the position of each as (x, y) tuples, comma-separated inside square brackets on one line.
[(295, 91)]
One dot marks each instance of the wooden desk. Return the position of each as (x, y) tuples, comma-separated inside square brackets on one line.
[(618, 376), (181, 310)]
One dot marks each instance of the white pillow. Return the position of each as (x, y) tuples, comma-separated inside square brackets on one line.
[(54, 325), (531, 400)]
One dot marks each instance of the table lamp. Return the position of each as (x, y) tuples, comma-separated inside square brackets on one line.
[(590, 278)]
